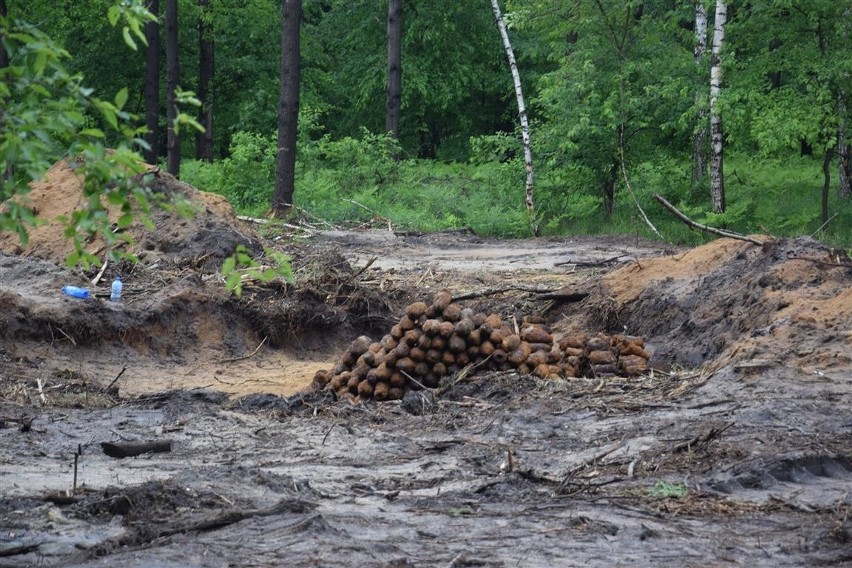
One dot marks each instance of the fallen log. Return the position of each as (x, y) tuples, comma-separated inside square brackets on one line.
[(694, 225), (130, 449)]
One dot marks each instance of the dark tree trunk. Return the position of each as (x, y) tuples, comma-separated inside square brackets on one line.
[(844, 165), (4, 57), (288, 108), (826, 183), (4, 62), (609, 189), (173, 78), (394, 67), (152, 84), (204, 140)]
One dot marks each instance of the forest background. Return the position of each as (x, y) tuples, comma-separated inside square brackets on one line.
[(617, 94)]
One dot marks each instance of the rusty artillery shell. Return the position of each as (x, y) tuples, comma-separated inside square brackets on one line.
[(462, 359), (599, 343), (396, 393), (406, 364), (432, 327), (540, 346), (494, 321), (359, 345), (602, 358), (322, 378), (452, 313), (537, 358), (519, 355), (412, 336), (457, 344), (417, 354), (367, 358), (524, 369), (486, 348), (633, 365), (473, 351), (422, 368), (372, 377), (448, 358), (402, 350), (442, 299), (360, 371), (406, 323), (433, 356), (574, 351), (447, 329), (536, 334), (496, 337), (339, 368), (511, 342), (440, 369), (365, 389), (424, 342), (389, 342), (574, 340), (474, 337), (380, 391), (352, 384), (383, 372), (338, 381), (499, 356), (439, 343), (464, 327), (391, 358), (478, 318), (398, 380), (415, 310), (397, 332), (604, 370)]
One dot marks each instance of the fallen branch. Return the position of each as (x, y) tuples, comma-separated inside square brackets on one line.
[(689, 445), (500, 290), (564, 295), (128, 450), (591, 263), (694, 225)]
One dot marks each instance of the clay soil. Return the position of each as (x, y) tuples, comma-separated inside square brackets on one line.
[(736, 450)]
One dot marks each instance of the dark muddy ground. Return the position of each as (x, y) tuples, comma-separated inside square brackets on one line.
[(736, 450)]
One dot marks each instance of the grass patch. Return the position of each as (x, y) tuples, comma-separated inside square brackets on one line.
[(352, 182)]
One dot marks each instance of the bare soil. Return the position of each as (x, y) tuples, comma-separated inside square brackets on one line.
[(735, 450)]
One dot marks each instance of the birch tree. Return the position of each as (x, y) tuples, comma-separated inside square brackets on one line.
[(717, 175), (699, 137), (522, 114)]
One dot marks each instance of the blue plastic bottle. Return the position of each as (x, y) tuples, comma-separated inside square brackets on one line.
[(117, 286), (76, 292)]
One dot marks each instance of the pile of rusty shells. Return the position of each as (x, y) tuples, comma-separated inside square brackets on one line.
[(438, 340)]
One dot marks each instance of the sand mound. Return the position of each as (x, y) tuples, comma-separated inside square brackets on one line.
[(788, 302), (205, 239)]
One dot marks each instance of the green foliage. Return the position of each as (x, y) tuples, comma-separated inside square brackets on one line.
[(241, 266), (666, 490), (47, 113)]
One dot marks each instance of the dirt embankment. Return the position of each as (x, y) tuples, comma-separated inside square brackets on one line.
[(736, 450)]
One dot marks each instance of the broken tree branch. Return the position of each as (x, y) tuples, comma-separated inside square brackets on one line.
[(694, 225)]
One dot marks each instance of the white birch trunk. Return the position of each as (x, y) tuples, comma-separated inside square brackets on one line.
[(522, 113), (699, 137), (717, 176)]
